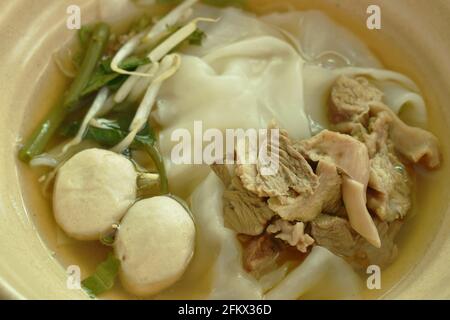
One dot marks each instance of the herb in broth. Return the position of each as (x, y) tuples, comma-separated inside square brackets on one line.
[(287, 242), (104, 76), (41, 136), (197, 37), (103, 278), (94, 74)]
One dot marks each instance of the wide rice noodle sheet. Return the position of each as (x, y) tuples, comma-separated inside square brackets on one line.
[(216, 271), (321, 276), (319, 37), (248, 72), (241, 77)]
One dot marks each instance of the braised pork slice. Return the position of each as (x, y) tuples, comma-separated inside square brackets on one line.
[(350, 99), (292, 233), (245, 212), (293, 174), (335, 234), (326, 198)]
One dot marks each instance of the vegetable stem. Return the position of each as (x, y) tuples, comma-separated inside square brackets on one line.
[(39, 139), (159, 163)]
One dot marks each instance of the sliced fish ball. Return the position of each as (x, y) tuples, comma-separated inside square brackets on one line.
[(93, 191), (155, 244)]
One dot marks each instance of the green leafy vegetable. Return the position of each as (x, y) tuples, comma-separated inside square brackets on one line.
[(42, 134), (105, 76), (197, 37), (112, 132), (104, 276)]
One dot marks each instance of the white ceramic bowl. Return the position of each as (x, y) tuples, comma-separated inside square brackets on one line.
[(414, 38)]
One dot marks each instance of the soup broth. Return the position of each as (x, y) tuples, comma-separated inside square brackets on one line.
[(412, 241)]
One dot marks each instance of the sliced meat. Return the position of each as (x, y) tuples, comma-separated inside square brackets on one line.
[(350, 99), (356, 108), (245, 212), (294, 173), (224, 172), (260, 253), (346, 152), (374, 135), (292, 233), (378, 136), (390, 187), (415, 144), (326, 198), (351, 157), (335, 234)]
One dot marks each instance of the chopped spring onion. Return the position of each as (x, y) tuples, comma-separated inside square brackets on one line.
[(93, 111), (103, 277)]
